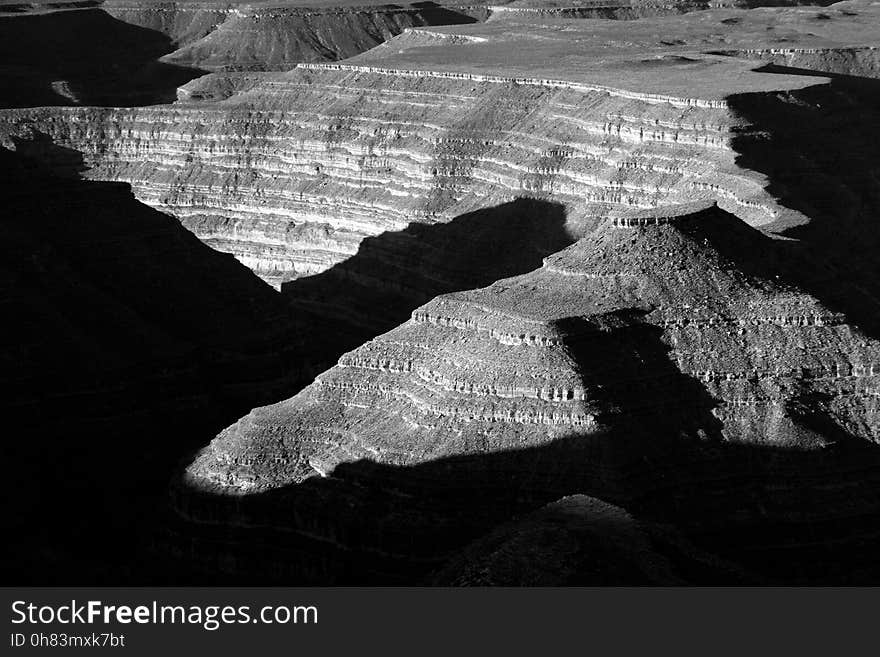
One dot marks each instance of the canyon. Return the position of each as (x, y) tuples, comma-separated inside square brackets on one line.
[(518, 293)]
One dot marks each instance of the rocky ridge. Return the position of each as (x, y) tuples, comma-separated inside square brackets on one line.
[(273, 36), (640, 365)]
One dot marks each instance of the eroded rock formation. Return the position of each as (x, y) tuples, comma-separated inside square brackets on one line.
[(651, 364)]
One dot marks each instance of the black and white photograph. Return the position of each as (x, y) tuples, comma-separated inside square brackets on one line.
[(439, 294)]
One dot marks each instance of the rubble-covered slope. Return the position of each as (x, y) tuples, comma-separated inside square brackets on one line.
[(273, 36), (182, 22)]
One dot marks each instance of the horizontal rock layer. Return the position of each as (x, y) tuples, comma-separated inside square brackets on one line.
[(292, 175)]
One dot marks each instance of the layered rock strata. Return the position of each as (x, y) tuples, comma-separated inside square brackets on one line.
[(659, 364), (293, 191)]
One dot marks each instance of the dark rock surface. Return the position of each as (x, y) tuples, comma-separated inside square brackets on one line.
[(84, 57), (119, 351), (582, 541)]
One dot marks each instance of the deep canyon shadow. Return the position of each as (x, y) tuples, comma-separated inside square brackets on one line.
[(820, 150), (85, 57), (394, 273), (435, 14), (133, 344), (127, 343)]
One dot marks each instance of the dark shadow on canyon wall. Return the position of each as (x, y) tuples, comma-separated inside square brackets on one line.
[(42, 161), (626, 369), (435, 14), (126, 344), (394, 273), (129, 343), (85, 57), (783, 515), (781, 510), (820, 150)]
